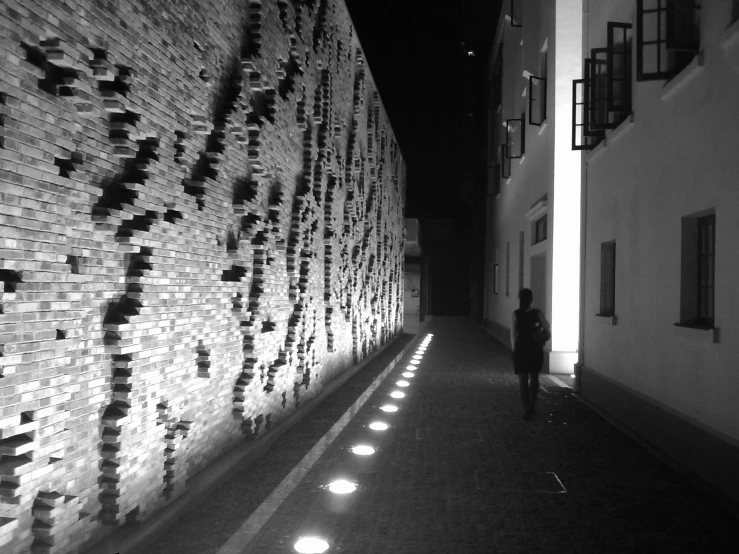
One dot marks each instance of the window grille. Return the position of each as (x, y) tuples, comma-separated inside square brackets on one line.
[(668, 37)]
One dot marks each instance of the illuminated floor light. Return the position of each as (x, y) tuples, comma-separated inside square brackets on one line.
[(407, 374), (311, 545), (389, 408), (379, 426), (342, 486), (410, 367), (418, 357), (415, 362), (402, 383), (363, 450), (397, 394)]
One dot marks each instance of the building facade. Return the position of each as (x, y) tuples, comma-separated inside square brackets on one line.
[(638, 229), (657, 119), (534, 176)]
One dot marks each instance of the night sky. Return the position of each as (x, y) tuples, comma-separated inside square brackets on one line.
[(414, 50)]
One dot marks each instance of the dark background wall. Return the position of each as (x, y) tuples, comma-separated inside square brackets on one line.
[(201, 213)]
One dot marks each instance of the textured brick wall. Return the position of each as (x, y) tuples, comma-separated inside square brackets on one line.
[(200, 223)]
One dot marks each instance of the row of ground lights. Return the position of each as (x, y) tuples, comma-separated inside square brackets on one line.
[(318, 545)]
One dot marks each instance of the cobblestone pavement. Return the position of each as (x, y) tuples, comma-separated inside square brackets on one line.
[(460, 471)]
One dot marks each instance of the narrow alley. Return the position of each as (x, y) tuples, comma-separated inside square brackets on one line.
[(457, 471)]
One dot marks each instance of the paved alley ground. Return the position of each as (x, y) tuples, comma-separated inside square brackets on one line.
[(460, 471)]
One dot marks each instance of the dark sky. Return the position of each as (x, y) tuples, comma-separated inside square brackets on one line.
[(414, 50)]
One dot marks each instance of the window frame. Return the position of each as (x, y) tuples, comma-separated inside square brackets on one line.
[(536, 227), (626, 52), (508, 136), (498, 78), (505, 162), (542, 101), (697, 299), (598, 114), (677, 55), (514, 22), (706, 267)]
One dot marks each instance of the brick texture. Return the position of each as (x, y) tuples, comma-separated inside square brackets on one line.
[(201, 222)]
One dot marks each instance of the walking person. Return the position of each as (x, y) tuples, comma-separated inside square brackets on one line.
[(529, 332)]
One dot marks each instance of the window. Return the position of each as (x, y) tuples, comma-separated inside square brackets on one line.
[(706, 266), (516, 13), (539, 230), (597, 83), (507, 268), (495, 179), (697, 282), (515, 136), (498, 78), (619, 69), (495, 278), (607, 279), (538, 92), (505, 162), (537, 100), (580, 141), (668, 37)]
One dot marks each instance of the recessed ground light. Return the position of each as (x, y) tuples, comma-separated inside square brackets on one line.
[(415, 362), (397, 394), (412, 368), (379, 426), (389, 408), (363, 450), (311, 545), (417, 357), (407, 374), (402, 383), (342, 486)]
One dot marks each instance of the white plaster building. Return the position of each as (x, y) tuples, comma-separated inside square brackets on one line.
[(534, 195), (660, 123), (643, 94)]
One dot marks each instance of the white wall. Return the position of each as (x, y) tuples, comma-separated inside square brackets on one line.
[(677, 158)]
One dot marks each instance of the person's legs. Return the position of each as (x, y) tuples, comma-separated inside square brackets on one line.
[(523, 382), (533, 390)]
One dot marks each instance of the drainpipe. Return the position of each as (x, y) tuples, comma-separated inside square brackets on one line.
[(583, 229)]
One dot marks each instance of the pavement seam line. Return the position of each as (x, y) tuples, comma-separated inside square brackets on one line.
[(248, 531)]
